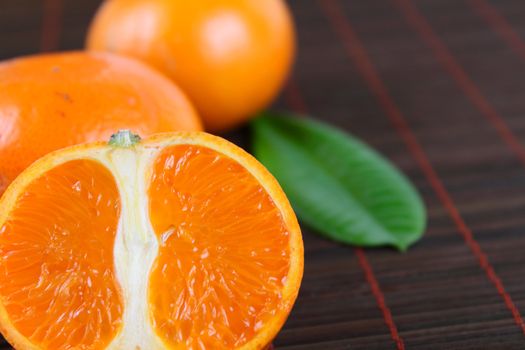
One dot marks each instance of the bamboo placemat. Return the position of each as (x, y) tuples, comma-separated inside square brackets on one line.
[(438, 86)]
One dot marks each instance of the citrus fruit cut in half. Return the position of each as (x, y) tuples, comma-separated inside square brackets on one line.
[(178, 241)]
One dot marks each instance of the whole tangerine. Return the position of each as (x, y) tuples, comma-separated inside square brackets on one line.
[(230, 56), (52, 101)]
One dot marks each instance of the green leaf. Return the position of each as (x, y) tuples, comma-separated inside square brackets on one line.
[(337, 184)]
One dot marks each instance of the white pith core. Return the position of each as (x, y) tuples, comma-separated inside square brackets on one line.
[(136, 245)]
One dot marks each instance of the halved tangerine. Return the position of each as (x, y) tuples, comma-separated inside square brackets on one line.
[(180, 241)]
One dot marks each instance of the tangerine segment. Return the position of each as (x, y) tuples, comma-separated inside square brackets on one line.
[(224, 250), (57, 279)]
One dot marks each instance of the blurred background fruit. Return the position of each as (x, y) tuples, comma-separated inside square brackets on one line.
[(52, 101), (230, 56)]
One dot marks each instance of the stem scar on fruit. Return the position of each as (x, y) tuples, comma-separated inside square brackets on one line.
[(124, 139)]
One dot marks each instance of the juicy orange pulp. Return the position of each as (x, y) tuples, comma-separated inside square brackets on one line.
[(57, 279), (222, 261), (219, 281)]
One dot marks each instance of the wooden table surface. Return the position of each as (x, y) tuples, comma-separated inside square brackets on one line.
[(438, 86)]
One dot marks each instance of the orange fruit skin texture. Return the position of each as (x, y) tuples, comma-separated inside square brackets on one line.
[(230, 56), (51, 101)]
